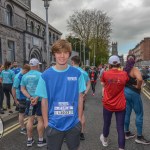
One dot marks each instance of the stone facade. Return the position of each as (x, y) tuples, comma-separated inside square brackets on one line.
[(22, 33)]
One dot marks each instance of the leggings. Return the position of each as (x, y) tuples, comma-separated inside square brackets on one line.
[(7, 92), (120, 116)]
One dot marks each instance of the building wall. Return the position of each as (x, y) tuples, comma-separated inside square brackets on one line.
[(28, 43)]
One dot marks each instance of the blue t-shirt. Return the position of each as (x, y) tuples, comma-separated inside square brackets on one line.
[(62, 89), (30, 81), (7, 76), (17, 86), (16, 70)]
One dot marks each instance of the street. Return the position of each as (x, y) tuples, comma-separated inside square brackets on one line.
[(94, 122)]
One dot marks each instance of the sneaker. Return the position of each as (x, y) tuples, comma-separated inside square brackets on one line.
[(30, 142), (10, 111), (103, 140), (41, 143), (82, 136), (142, 140), (129, 135), (1, 111), (23, 131)]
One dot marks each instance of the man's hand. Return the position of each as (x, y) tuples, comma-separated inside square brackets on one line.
[(34, 100)]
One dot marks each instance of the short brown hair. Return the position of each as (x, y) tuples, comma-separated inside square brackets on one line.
[(60, 45), (26, 67), (76, 59)]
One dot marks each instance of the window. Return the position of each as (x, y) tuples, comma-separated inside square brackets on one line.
[(32, 27), (38, 30), (0, 52), (53, 38), (9, 15), (50, 38), (11, 51), (43, 33)]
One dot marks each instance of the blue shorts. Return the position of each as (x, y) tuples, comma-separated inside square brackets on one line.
[(36, 109)]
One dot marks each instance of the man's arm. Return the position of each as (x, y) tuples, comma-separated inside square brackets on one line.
[(24, 91), (14, 95), (44, 108), (80, 106)]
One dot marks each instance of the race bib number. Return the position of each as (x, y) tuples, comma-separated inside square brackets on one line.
[(63, 109)]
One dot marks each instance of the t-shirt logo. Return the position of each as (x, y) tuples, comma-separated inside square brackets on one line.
[(72, 78)]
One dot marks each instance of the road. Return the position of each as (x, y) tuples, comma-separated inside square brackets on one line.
[(13, 140)]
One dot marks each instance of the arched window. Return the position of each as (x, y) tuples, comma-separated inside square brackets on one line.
[(38, 30), (9, 15), (32, 27), (43, 34)]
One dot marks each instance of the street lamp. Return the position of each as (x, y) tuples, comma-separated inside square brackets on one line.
[(46, 5)]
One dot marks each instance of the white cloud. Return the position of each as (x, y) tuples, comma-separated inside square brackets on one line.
[(130, 18)]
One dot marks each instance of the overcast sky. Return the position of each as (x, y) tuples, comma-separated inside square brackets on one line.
[(130, 18)]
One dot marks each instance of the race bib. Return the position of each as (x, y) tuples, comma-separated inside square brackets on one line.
[(63, 109)]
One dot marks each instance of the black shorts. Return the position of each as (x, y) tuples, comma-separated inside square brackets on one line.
[(36, 109), (22, 105)]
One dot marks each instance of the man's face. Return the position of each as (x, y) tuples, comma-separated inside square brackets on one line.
[(15, 64), (62, 57)]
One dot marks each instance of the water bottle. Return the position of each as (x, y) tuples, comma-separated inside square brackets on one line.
[(30, 110)]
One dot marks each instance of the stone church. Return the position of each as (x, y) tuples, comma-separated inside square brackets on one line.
[(22, 33), (115, 52)]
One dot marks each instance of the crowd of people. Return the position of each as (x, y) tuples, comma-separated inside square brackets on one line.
[(57, 98)]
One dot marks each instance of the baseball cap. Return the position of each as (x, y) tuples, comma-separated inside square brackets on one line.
[(34, 62), (114, 60)]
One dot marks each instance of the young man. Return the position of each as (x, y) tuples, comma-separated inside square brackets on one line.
[(28, 86), (61, 88), (75, 61), (19, 98)]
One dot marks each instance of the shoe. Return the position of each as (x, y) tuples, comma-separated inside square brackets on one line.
[(10, 111), (129, 135), (23, 131), (82, 136), (41, 143), (103, 140), (30, 142), (1, 111), (142, 140)]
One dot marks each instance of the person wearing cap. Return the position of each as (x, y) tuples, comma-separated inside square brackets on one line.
[(134, 101), (75, 61), (28, 86), (19, 98), (61, 88), (114, 100)]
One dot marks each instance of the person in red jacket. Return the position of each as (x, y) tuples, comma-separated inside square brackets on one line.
[(114, 101)]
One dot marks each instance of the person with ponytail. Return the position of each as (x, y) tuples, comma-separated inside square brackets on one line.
[(134, 101), (7, 77)]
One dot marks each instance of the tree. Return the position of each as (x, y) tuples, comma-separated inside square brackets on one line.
[(94, 28)]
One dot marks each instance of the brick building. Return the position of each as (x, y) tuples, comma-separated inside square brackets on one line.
[(22, 33), (142, 51)]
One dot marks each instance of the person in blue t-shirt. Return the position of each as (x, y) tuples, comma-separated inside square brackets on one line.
[(15, 67), (75, 61), (61, 88), (28, 86), (19, 98), (7, 77)]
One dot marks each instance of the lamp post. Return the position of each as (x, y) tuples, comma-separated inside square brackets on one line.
[(46, 5)]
